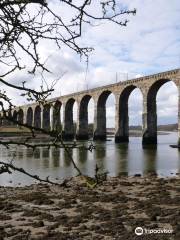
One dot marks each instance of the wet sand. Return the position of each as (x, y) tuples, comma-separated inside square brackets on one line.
[(109, 211)]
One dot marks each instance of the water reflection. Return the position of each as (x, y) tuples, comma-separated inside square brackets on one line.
[(20, 153), (117, 159), (66, 159), (54, 157), (45, 152), (121, 156), (36, 153), (82, 155), (100, 155), (150, 160)]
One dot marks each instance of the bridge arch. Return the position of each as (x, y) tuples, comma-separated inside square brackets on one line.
[(57, 116), (82, 126), (37, 117), (122, 131), (100, 116), (68, 131), (150, 128), (46, 116), (29, 118)]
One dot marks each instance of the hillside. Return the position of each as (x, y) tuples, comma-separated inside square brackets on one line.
[(166, 127)]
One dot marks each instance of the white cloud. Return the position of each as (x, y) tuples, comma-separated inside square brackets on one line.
[(150, 43)]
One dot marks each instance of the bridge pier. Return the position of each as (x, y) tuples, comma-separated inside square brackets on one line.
[(99, 137), (122, 118), (33, 114), (56, 116), (149, 121), (148, 139), (51, 118), (67, 136), (82, 134), (122, 134), (68, 127), (46, 117), (99, 122), (29, 116), (82, 120), (38, 117), (121, 139), (24, 116)]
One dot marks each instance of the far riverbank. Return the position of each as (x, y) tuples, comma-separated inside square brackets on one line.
[(21, 134)]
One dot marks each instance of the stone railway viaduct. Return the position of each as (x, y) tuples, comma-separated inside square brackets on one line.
[(48, 116)]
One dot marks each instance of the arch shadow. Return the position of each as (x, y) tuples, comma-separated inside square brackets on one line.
[(68, 132), (20, 116), (150, 133), (100, 118), (29, 118), (37, 117), (46, 117), (82, 127), (57, 116), (122, 134)]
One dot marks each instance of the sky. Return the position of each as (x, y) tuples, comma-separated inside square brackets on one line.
[(149, 44)]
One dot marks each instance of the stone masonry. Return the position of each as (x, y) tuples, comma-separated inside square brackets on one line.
[(49, 117)]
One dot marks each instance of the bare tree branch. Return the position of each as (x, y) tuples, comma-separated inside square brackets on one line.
[(18, 21), (7, 167), (24, 24)]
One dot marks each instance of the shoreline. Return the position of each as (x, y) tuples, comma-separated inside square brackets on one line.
[(109, 211), (13, 135)]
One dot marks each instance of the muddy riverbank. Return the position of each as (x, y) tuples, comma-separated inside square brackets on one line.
[(112, 210)]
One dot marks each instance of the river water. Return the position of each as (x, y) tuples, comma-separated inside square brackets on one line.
[(117, 159)]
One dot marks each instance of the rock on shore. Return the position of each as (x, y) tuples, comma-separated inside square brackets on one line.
[(110, 211)]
